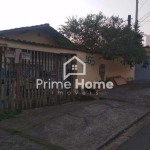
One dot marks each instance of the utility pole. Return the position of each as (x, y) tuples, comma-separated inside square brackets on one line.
[(136, 16), (129, 20)]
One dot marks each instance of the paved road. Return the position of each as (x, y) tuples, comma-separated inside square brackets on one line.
[(86, 125), (14, 142), (139, 141)]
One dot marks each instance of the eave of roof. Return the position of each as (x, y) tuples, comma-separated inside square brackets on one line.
[(25, 28), (41, 44), (57, 37)]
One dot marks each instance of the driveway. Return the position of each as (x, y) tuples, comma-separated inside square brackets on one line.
[(86, 125)]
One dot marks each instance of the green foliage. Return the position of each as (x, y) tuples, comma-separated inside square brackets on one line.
[(109, 36), (9, 114)]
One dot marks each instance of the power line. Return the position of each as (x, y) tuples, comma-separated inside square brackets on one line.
[(142, 1), (145, 22), (145, 19), (142, 5), (144, 16)]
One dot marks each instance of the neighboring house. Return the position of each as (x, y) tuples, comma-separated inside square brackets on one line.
[(140, 72)]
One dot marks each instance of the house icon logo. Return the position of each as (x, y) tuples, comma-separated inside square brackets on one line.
[(74, 67)]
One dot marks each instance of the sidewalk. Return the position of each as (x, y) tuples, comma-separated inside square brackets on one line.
[(139, 141), (14, 142)]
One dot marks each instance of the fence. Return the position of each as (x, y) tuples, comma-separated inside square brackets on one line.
[(19, 71)]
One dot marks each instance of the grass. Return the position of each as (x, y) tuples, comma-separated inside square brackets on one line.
[(32, 138), (32, 127), (6, 114)]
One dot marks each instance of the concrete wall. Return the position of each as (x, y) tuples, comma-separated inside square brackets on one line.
[(148, 40)]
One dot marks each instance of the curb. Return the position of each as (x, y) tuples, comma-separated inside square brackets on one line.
[(121, 131)]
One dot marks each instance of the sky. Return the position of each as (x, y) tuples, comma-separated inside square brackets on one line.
[(21, 13)]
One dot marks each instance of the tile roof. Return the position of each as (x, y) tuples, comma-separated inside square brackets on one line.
[(41, 44), (25, 28), (61, 41), (57, 37)]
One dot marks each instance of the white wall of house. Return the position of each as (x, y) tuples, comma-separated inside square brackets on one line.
[(32, 36), (113, 68)]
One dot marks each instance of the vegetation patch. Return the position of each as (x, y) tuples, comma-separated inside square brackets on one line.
[(6, 114)]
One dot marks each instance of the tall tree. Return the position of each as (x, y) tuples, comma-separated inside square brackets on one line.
[(109, 36)]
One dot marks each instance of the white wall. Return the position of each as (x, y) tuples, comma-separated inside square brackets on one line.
[(148, 40), (113, 68)]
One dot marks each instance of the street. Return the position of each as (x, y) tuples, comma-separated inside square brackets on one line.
[(139, 141)]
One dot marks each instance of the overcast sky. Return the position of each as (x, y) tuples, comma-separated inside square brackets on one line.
[(20, 13)]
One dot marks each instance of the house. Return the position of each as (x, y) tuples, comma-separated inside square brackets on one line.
[(40, 52), (47, 39)]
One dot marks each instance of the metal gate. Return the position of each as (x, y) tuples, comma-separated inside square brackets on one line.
[(19, 74), (142, 73)]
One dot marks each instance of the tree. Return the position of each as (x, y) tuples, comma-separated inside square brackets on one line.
[(109, 36)]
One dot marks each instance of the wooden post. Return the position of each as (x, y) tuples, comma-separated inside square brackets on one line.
[(5, 81), (72, 81), (9, 84), (12, 84), (22, 84), (0, 78), (35, 70), (45, 90), (18, 82), (30, 88), (51, 68), (48, 95), (32, 62), (40, 76), (56, 77)]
